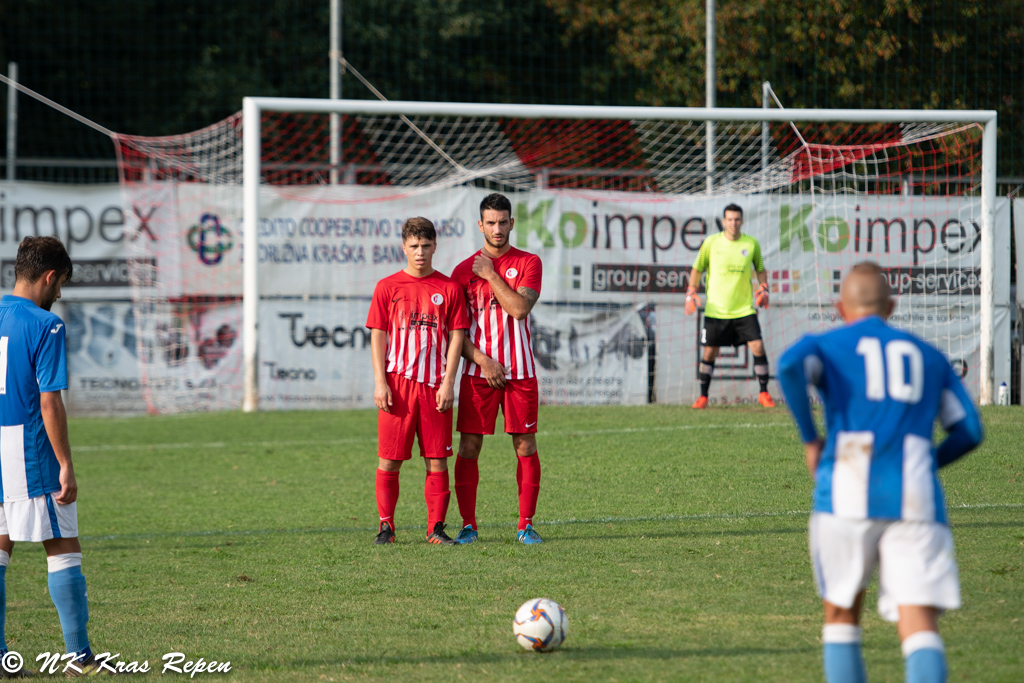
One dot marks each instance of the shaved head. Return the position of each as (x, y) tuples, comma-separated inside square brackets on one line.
[(865, 292)]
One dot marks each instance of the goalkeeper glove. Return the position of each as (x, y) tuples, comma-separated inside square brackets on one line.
[(693, 301), (761, 297)]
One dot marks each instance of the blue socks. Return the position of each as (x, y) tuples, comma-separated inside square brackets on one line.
[(67, 590), (925, 657), (842, 654), (923, 652), (5, 559)]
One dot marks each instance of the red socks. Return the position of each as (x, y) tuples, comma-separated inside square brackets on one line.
[(437, 494), (387, 496), (528, 478), (467, 478)]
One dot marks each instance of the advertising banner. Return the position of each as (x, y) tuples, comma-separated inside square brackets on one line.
[(592, 354), (679, 350), (315, 355), (608, 258), (191, 356), (103, 364), (88, 219)]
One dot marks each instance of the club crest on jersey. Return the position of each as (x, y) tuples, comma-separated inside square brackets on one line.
[(743, 252), (437, 299), (511, 273)]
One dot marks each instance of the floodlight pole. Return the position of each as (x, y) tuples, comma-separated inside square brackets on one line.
[(250, 254), (709, 93), (12, 121), (335, 66)]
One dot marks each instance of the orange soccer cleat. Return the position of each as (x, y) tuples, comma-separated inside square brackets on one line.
[(701, 403), (765, 399)]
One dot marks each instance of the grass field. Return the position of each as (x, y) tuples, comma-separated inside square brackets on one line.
[(675, 540)]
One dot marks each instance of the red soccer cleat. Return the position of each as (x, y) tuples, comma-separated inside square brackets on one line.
[(701, 403), (765, 399)]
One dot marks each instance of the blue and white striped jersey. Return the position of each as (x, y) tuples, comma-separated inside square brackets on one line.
[(882, 389), (32, 360)]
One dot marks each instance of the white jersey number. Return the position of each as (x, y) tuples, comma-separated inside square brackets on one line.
[(902, 358), (3, 365)]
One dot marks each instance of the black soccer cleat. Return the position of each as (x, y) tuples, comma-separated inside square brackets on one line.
[(439, 537), (385, 535)]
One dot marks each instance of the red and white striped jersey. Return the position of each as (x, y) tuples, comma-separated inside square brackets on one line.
[(418, 314), (491, 329)]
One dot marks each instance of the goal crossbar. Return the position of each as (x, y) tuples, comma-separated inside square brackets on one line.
[(254, 107)]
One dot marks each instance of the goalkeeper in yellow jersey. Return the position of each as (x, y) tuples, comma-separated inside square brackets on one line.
[(730, 259)]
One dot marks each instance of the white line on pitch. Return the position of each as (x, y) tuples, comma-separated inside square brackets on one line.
[(554, 522), (373, 439)]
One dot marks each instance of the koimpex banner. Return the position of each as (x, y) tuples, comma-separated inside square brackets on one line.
[(596, 247)]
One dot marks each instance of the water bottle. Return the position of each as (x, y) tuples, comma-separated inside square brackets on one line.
[(1004, 395)]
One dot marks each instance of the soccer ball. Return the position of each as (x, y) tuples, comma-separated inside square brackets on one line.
[(540, 625)]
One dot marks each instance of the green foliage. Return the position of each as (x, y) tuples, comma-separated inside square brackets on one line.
[(158, 68), (883, 54), (675, 540)]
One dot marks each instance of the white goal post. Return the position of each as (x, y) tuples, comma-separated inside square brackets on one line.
[(255, 108)]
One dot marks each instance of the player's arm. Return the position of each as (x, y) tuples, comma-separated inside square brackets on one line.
[(494, 372), (517, 304), (379, 352), (799, 367), (961, 421), (55, 420), (446, 392), (693, 301), (761, 295)]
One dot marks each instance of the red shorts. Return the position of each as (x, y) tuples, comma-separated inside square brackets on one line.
[(478, 405), (413, 413)]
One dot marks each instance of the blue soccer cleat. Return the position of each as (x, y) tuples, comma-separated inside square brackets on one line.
[(467, 535), (529, 536)]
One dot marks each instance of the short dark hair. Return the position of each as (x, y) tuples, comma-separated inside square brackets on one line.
[(419, 227), (495, 202), (36, 255), (733, 207)]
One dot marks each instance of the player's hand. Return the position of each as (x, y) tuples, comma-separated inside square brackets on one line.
[(761, 296), (812, 454), (693, 301), (382, 396), (483, 266), (445, 397), (494, 373), (68, 486)]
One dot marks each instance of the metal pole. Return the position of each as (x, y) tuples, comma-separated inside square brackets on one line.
[(335, 67), (250, 259), (578, 112), (988, 258), (12, 120), (766, 88), (709, 93)]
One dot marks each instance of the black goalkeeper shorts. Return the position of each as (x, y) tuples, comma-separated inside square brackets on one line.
[(730, 331)]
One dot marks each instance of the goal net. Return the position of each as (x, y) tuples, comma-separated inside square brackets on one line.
[(616, 201)]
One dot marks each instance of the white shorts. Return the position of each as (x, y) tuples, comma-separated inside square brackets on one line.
[(916, 562), (38, 519)]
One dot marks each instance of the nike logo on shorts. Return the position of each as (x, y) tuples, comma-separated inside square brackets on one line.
[(530, 424), (449, 448)]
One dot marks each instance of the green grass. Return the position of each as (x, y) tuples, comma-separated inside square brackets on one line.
[(675, 540)]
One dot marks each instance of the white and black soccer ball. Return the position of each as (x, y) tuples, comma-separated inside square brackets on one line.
[(540, 625)]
